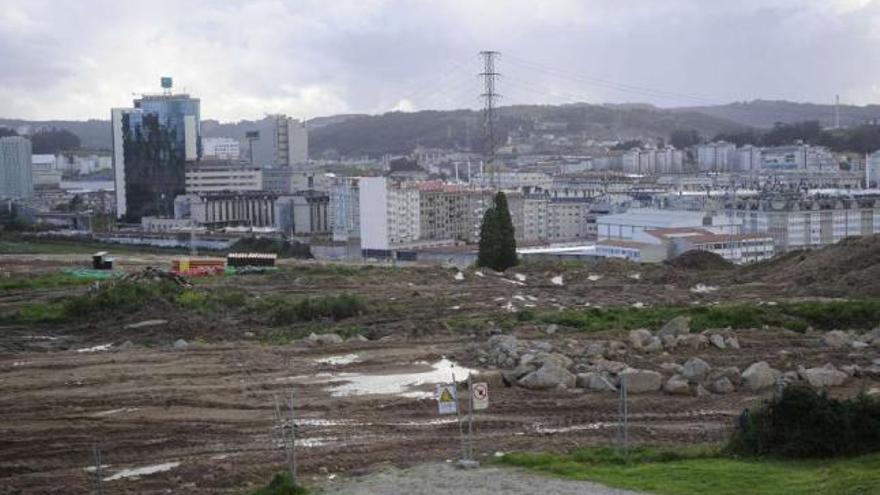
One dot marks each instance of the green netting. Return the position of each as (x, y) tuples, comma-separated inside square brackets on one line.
[(90, 274)]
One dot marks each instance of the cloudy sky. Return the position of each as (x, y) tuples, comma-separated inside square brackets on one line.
[(64, 59)]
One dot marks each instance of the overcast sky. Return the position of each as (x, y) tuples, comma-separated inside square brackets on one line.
[(64, 59)]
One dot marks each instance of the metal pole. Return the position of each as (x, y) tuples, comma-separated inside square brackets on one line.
[(470, 449), (96, 455), (292, 439), (458, 415)]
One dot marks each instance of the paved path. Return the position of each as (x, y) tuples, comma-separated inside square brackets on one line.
[(444, 479)]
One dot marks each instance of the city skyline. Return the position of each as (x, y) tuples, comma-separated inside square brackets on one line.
[(307, 59)]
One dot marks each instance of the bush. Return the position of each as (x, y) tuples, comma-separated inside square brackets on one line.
[(804, 423), (339, 307), (281, 484), (119, 297)]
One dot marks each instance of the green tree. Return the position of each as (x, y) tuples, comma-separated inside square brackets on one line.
[(497, 237)]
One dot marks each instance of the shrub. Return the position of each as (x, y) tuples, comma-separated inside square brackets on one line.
[(314, 308), (281, 484), (804, 423), (119, 297)]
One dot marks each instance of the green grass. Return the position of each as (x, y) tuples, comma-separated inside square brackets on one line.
[(48, 281), (702, 472), (61, 246), (281, 484), (798, 316)]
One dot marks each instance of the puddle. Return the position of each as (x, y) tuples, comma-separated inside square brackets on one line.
[(142, 471), (398, 384), (519, 297), (455, 308), (635, 276), (594, 278), (557, 280), (703, 289), (520, 277), (459, 276), (638, 305), (97, 348), (116, 411), (567, 429), (514, 282), (339, 360), (479, 273), (39, 337)]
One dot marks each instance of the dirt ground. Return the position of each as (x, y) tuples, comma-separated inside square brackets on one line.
[(202, 418)]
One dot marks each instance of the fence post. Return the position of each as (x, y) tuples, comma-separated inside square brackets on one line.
[(96, 456), (292, 439), (622, 419)]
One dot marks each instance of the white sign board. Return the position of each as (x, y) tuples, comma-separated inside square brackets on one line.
[(446, 399), (480, 395)]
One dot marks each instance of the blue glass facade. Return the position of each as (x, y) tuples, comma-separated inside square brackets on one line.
[(159, 135)]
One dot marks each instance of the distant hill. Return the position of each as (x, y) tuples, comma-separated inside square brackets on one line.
[(400, 132), (765, 113), (93, 134)]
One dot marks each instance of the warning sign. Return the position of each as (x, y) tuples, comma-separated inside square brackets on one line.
[(480, 395), (446, 399)]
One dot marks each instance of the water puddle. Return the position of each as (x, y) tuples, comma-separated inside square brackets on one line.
[(557, 280), (116, 411), (402, 384), (459, 276), (520, 277), (703, 289), (142, 471), (568, 429), (97, 348), (339, 360), (594, 278)]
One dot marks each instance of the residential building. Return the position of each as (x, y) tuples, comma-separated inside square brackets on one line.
[(152, 142), (872, 169), (716, 157), (208, 176), (16, 169), (291, 141), (389, 216), (344, 208), (812, 222), (749, 158), (221, 148), (567, 219)]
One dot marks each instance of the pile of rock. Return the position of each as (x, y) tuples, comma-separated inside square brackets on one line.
[(676, 333), (838, 339)]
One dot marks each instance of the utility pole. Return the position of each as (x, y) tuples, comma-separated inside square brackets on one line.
[(837, 111), (489, 96)]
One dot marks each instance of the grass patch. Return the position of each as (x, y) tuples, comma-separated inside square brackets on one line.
[(824, 315), (706, 472), (37, 282), (281, 484), (282, 311)]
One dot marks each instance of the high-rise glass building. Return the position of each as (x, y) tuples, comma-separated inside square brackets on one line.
[(16, 168), (152, 142)]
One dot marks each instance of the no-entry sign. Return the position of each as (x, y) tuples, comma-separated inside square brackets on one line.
[(480, 395)]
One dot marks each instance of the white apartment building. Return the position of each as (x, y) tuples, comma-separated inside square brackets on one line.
[(291, 141), (389, 215), (716, 157), (16, 169), (651, 161), (872, 170), (223, 176), (810, 223), (749, 158), (221, 148)]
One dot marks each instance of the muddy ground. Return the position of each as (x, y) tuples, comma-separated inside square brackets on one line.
[(203, 417)]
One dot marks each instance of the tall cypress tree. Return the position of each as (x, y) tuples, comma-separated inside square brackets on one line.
[(507, 234), (497, 237), (489, 237)]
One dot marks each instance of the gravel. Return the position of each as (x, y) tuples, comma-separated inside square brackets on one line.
[(443, 479)]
